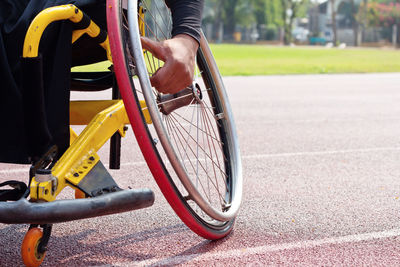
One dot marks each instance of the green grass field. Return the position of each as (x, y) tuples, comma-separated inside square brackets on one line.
[(266, 60)]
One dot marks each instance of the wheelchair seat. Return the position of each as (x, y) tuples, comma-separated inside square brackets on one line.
[(91, 81)]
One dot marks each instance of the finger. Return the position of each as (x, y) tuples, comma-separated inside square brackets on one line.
[(154, 80), (163, 78), (170, 80), (154, 47)]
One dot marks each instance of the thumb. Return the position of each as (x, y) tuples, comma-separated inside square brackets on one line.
[(156, 48)]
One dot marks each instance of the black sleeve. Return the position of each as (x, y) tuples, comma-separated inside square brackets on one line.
[(186, 17)]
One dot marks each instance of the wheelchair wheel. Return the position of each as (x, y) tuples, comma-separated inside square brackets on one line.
[(29, 248), (191, 147)]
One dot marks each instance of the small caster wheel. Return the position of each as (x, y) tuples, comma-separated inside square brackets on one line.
[(79, 194), (29, 249)]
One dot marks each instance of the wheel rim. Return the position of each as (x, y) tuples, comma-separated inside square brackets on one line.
[(223, 202)]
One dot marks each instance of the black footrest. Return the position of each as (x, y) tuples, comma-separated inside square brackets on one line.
[(98, 181), (24, 212)]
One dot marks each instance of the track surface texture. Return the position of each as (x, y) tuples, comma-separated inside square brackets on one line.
[(321, 159)]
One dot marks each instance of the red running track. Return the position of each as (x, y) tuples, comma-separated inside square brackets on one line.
[(321, 158)]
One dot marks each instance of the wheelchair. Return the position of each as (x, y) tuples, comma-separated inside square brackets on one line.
[(188, 139)]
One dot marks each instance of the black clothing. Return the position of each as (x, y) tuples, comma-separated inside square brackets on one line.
[(51, 125), (186, 17)]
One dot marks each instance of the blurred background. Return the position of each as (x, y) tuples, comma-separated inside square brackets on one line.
[(307, 22), (262, 37)]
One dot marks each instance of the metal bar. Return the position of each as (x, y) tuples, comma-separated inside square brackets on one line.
[(25, 212), (115, 141)]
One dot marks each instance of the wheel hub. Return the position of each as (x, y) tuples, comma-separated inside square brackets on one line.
[(170, 102)]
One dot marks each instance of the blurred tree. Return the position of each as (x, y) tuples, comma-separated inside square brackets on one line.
[(244, 14), (274, 18), (232, 15), (382, 14), (260, 16), (260, 11), (214, 15), (333, 12), (290, 9), (354, 22)]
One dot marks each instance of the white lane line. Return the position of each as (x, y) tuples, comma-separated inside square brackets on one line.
[(245, 252), (256, 156), (14, 171), (316, 153), (282, 122)]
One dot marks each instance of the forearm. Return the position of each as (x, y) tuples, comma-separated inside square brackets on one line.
[(186, 17)]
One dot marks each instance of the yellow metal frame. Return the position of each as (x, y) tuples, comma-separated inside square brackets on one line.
[(103, 118), (81, 156)]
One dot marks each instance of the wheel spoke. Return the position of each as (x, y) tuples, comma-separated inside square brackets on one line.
[(201, 165), (217, 140), (194, 153)]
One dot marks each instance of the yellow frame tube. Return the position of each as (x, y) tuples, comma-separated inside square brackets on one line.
[(51, 14), (42, 20), (142, 28), (81, 112)]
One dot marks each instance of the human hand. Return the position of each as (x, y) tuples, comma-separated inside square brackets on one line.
[(179, 57)]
